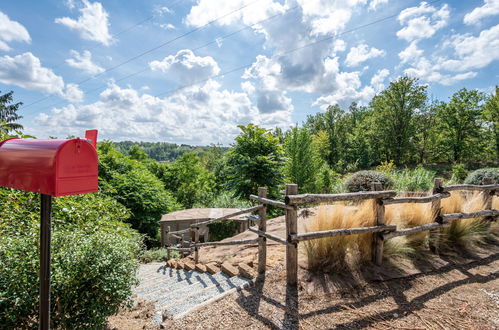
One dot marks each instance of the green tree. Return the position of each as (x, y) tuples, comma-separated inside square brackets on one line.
[(303, 161), (460, 125), (491, 116), (425, 135), (8, 114), (133, 185), (255, 160), (394, 111)]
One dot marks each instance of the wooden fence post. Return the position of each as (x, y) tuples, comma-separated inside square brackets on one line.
[(487, 197), (262, 225), (291, 248), (379, 219), (435, 211), (167, 242), (196, 240)]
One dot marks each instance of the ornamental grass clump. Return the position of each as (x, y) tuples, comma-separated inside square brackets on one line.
[(482, 175)]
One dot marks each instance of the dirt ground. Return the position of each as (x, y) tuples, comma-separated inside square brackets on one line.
[(453, 290), (454, 296)]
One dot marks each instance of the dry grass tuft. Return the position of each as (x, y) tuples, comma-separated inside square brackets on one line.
[(340, 252), (353, 251)]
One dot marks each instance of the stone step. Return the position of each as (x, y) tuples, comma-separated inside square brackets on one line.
[(183, 277)]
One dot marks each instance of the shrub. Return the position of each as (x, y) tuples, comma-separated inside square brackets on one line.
[(93, 260), (156, 254), (386, 167), (479, 176), (222, 229), (361, 181), (418, 179), (459, 173)]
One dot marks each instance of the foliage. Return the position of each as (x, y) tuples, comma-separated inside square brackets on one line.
[(222, 229), (156, 254), (255, 160), (418, 179), (224, 199), (491, 116), (459, 173), (159, 151), (361, 181), (386, 167), (93, 260), (460, 125), (303, 161), (129, 182), (8, 114), (394, 112), (188, 180), (479, 176)]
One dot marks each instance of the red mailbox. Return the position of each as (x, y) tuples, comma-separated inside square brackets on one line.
[(50, 167)]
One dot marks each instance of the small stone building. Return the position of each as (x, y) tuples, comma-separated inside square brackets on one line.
[(182, 219)]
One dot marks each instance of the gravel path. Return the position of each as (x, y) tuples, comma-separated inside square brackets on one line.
[(176, 292)]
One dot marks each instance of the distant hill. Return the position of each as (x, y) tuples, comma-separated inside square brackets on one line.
[(161, 151)]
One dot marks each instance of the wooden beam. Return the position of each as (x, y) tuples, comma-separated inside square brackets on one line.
[(413, 230), (262, 226), (427, 199), (468, 215), (379, 218), (329, 198), (270, 202), (292, 247), (471, 187), (269, 236), (228, 216), (341, 232), (238, 242)]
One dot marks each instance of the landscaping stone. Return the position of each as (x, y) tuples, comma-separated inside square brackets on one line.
[(229, 269), (212, 268), (201, 268), (246, 271), (189, 265)]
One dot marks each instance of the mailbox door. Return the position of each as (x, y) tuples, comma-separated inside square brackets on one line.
[(77, 168)]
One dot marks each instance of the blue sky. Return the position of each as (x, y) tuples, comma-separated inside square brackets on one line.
[(191, 71)]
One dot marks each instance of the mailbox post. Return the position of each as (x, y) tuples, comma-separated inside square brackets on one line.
[(52, 168)]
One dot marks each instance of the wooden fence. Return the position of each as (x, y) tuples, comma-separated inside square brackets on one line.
[(381, 232)]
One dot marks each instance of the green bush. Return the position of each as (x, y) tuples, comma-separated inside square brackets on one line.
[(93, 260), (479, 176), (459, 173), (361, 181), (418, 179), (222, 229), (156, 254)]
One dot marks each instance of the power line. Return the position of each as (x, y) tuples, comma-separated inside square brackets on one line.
[(214, 41), (150, 50)]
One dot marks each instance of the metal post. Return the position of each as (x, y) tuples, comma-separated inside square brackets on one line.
[(45, 226)]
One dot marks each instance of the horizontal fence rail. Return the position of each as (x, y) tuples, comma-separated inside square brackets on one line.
[(270, 202), (340, 232), (471, 187), (243, 241), (329, 198), (269, 236), (426, 199), (227, 217), (468, 215)]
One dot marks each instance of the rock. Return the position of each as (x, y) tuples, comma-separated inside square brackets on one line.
[(171, 263), (189, 265), (212, 268), (201, 268), (229, 269), (179, 264), (246, 271)]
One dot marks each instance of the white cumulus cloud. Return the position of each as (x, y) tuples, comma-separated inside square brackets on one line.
[(84, 62), (26, 71), (411, 53), (92, 24), (11, 31), (186, 67), (373, 5), (362, 53), (422, 22), (489, 8), (195, 115)]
